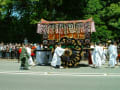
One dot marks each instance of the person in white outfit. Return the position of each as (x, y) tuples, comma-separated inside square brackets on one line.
[(112, 51), (103, 59), (30, 61), (56, 60), (97, 55)]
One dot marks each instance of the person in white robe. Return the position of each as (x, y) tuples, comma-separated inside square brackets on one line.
[(112, 51), (30, 61), (56, 60), (104, 53), (97, 56)]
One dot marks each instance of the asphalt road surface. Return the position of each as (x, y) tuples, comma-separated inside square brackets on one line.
[(47, 78)]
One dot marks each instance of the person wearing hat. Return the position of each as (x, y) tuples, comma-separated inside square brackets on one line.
[(112, 51), (56, 60)]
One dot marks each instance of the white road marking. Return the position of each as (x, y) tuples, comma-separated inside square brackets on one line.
[(60, 74)]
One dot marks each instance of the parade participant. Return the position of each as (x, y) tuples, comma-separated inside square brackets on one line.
[(24, 59), (115, 43), (91, 53), (30, 60), (56, 60), (112, 50), (97, 55), (103, 54)]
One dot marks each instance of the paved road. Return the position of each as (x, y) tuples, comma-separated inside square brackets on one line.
[(47, 78)]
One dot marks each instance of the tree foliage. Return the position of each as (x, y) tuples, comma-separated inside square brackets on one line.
[(18, 18)]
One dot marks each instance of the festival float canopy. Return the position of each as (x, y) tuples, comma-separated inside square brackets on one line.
[(55, 30)]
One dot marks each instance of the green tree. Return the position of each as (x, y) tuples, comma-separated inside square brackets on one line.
[(19, 18), (106, 16), (111, 16)]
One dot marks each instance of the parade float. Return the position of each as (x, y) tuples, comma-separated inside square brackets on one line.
[(74, 34)]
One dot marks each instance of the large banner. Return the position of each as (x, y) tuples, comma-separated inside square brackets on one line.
[(55, 30)]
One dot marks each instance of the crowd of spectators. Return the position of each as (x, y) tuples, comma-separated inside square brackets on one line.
[(12, 50), (9, 50)]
